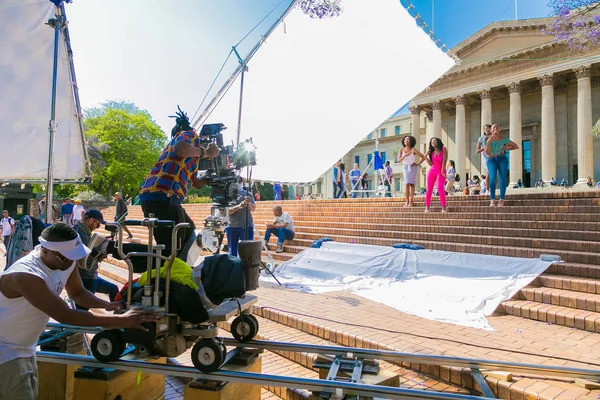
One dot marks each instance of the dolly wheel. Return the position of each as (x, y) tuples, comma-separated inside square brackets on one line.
[(224, 348), (207, 355), (107, 346), (244, 328)]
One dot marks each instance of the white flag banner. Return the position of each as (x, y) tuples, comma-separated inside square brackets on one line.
[(26, 70), (315, 88)]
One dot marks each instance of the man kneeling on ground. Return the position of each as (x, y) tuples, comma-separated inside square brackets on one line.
[(30, 295), (282, 226), (100, 247)]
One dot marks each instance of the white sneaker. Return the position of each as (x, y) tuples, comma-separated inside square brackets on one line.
[(279, 248), (99, 244)]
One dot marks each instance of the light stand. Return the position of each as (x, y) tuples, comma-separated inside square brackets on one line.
[(57, 24)]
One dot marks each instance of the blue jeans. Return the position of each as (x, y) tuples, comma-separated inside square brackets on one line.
[(497, 168), (234, 235), (338, 189), (283, 234), (99, 285), (355, 186)]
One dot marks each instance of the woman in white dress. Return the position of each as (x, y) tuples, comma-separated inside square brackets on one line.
[(410, 167)]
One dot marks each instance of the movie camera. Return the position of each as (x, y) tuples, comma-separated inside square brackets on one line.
[(222, 177)]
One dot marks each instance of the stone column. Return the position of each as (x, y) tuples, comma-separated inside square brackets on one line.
[(486, 107), (585, 142), (416, 124), (437, 119), (515, 127), (548, 131), (416, 133), (428, 130), (486, 117), (461, 133)]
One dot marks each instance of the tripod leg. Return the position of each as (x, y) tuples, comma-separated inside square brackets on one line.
[(270, 272)]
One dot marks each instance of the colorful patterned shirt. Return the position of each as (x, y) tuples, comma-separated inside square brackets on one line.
[(172, 175)]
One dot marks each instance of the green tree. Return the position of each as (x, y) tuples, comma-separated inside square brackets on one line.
[(123, 143), (266, 191)]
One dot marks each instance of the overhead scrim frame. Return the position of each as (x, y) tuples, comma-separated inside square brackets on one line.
[(315, 88), (41, 126)]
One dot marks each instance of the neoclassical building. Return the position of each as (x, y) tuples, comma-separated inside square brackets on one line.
[(544, 96)]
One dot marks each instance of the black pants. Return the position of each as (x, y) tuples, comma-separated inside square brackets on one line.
[(166, 211), (139, 263), (99, 285)]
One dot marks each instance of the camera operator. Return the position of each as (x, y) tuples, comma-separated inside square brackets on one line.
[(163, 190), (241, 225)]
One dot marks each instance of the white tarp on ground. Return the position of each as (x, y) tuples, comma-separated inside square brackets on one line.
[(26, 58), (315, 88), (444, 286)]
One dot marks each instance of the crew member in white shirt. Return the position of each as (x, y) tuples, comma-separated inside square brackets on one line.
[(7, 227), (78, 212), (30, 295), (282, 226)]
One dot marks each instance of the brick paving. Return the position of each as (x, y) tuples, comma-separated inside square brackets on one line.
[(361, 324), (555, 320)]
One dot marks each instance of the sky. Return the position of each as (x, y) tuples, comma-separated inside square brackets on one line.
[(159, 54)]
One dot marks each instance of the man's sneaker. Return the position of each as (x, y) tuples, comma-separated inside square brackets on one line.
[(279, 248), (98, 245)]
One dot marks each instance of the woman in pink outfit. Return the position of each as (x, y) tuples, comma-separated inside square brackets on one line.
[(437, 158)]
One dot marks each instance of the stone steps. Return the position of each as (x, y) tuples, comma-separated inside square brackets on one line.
[(565, 224), (573, 284), (388, 238), (553, 314), (575, 270), (390, 230), (561, 297), (297, 245), (353, 335)]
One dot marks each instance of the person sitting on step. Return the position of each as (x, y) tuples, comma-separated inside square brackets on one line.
[(282, 226)]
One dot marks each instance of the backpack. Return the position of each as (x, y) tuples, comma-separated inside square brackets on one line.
[(223, 277), (457, 178)]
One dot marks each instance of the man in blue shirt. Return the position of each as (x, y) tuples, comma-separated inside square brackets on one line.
[(354, 180), (337, 180), (66, 210), (241, 225)]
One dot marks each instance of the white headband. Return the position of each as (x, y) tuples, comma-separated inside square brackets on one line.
[(60, 246), (71, 249)]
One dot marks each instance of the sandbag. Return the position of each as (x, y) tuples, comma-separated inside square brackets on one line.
[(250, 254), (223, 277)]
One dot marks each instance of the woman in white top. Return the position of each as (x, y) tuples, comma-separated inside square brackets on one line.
[(450, 177), (410, 167)]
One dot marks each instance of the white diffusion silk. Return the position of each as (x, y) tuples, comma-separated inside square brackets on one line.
[(317, 87), (26, 69)]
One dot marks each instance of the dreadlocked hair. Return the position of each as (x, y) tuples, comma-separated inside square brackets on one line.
[(182, 122)]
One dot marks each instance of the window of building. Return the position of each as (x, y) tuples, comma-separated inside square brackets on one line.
[(319, 187), (357, 160), (369, 158), (370, 136), (383, 157), (397, 185), (398, 130), (411, 127), (383, 130), (526, 155)]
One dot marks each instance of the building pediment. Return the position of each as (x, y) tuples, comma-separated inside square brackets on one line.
[(500, 40)]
